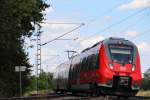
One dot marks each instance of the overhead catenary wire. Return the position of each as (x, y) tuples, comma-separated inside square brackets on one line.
[(63, 34), (73, 23), (117, 23), (90, 21), (68, 23), (135, 23), (104, 13), (114, 7), (53, 58), (59, 61), (143, 33)]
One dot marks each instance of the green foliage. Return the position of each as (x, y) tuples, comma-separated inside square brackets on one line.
[(146, 84), (17, 19), (44, 82), (146, 81)]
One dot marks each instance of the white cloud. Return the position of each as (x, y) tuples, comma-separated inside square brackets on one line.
[(144, 47), (135, 4), (131, 33), (89, 42), (108, 18)]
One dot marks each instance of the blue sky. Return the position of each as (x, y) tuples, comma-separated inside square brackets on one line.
[(97, 15)]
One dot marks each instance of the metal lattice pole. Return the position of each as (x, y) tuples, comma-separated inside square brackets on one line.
[(38, 58)]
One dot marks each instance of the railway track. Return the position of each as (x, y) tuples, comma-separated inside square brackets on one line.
[(129, 98), (139, 98), (48, 97), (74, 97)]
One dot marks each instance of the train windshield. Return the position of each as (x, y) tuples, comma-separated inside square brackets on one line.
[(121, 54)]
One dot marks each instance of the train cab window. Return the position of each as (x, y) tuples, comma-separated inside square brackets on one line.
[(121, 54)]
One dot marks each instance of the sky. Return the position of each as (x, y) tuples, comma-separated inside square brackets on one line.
[(129, 19)]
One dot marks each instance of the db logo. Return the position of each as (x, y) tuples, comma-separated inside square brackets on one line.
[(122, 68)]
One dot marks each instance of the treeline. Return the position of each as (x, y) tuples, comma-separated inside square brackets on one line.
[(44, 82), (17, 20), (146, 80)]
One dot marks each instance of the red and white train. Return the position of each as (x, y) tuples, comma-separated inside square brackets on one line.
[(110, 67)]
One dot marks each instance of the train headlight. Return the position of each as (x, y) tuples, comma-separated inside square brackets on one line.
[(111, 66), (133, 67)]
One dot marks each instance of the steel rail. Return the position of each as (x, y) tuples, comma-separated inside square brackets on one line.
[(54, 96), (140, 97), (35, 97), (71, 97)]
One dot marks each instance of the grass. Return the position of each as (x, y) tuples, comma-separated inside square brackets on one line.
[(144, 93), (41, 92)]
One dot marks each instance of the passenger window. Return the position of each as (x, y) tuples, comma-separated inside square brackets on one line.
[(89, 63), (84, 64), (93, 62), (97, 61), (79, 70), (71, 71), (74, 72), (94, 58), (75, 67)]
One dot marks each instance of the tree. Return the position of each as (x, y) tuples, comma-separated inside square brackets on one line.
[(18, 19), (146, 80), (44, 80)]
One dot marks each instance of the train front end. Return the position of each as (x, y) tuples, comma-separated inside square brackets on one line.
[(120, 72)]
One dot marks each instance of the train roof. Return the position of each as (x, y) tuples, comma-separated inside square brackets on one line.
[(114, 40), (110, 40), (91, 46)]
